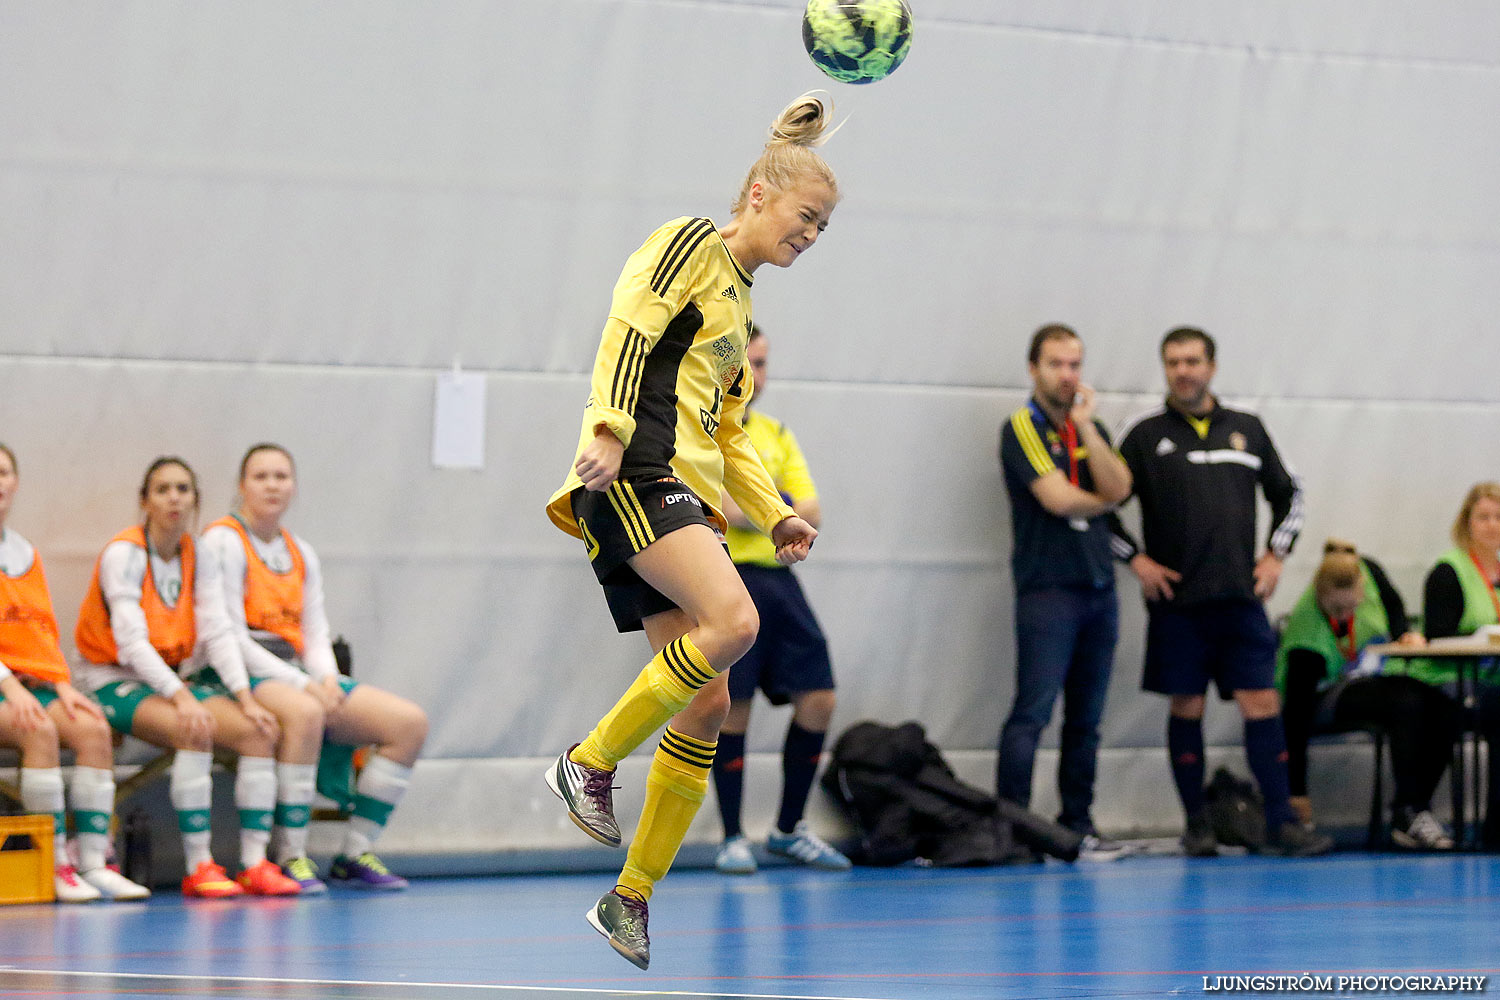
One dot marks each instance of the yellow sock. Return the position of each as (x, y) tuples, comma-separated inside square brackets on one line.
[(663, 689), (675, 788)]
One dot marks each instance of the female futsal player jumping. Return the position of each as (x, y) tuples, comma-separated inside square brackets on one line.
[(662, 435)]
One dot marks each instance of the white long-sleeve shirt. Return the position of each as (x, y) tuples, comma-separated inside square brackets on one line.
[(16, 557), (122, 581), (317, 661)]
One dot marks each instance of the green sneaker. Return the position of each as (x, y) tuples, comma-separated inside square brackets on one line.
[(623, 920)]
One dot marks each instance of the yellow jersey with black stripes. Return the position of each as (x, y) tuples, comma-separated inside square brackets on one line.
[(782, 456), (670, 378)]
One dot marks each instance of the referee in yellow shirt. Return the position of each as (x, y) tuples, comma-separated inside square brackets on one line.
[(789, 661)]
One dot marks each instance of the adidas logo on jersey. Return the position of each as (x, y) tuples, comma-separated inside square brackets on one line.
[(1165, 447), (729, 294)]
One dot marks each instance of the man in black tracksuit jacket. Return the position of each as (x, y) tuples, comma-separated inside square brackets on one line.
[(1196, 465)]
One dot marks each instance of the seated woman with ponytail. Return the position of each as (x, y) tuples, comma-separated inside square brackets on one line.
[(41, 711), (160, 658), (1350, 605)]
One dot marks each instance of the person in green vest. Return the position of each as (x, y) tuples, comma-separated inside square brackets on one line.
[(1461, 597), (1324, 686)]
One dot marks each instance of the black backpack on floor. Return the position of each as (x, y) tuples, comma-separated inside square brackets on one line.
[(1236, 811), (906, 803)]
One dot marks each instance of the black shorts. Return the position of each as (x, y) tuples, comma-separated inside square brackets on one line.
[(619, 522), (790, 654), (1229, 642)]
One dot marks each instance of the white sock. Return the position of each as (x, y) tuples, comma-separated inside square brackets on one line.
[(294, 795), (255, 797), (42, 793), (381, 785), (191, 791), (92, 795)]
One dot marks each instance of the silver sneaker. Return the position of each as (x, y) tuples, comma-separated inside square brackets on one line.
[(736, 857), (623, 920), (587, 794)]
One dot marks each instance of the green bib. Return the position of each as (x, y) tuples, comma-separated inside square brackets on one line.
[(1307, 628), (1479, 609)]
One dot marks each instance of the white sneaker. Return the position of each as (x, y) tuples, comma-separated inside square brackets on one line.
[(1423, 833), (736, 857), (1096, 848), (70, 888), (112, 885), (804, 846)]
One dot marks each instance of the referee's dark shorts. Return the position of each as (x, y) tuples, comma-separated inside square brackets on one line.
[(1228, 641), (790, 654)]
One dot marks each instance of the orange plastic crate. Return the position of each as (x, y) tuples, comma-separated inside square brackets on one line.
[(26, 859)]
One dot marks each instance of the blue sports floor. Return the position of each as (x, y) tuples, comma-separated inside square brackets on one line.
[(1142, 927)]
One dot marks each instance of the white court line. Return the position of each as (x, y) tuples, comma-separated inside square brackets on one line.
[(408, 984)]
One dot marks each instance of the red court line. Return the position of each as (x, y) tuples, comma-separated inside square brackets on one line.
[(1076, 915), (229, 988), (1011, 918), (1094, 973), (1060, 974)]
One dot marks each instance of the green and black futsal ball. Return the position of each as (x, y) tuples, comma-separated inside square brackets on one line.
[(857, 41)]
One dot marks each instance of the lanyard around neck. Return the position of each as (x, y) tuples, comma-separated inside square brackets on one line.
[(1347, 648), (1068, 434), (1070, 442)]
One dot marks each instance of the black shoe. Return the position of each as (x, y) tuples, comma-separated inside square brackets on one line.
[(1489, 835), (1020, 854), (1293, 840), (1198, 840)]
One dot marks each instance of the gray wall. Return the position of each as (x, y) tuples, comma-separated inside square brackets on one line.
[(226, 222)]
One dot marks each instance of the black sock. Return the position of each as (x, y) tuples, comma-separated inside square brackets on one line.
[(1265, 746), (729, 780), (1185, 748), (799, 765)]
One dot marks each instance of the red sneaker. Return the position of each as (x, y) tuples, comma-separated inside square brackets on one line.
[(209, 881), (266, 879)]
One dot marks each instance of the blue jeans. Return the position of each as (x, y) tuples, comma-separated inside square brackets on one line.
[(1065, 642)]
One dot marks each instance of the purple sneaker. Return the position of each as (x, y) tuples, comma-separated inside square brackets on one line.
[(305, 874), (364, 872)]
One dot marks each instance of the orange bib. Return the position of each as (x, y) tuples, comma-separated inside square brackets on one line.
[(28, 629), (273, 601), (173, 631)]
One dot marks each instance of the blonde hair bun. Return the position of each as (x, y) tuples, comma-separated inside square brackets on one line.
[(789, 156), (804, 122), (1339, 545)]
